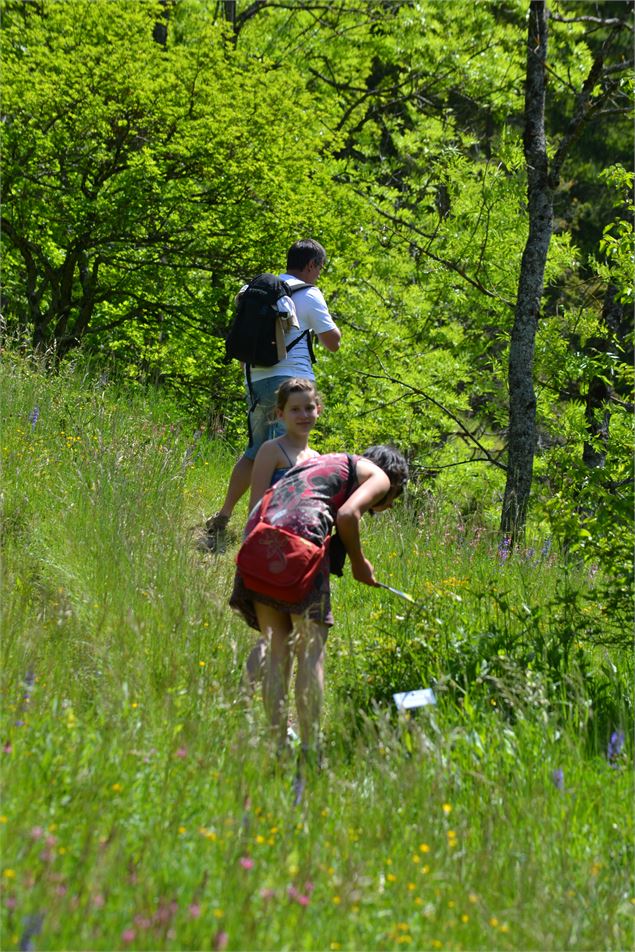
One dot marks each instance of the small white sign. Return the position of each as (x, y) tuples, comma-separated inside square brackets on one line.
[(405, 700)]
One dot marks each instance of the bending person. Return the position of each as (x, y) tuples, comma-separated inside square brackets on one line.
[(331, 490)]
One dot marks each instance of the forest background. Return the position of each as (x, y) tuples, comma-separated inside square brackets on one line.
[(470, 175), (155, 159)]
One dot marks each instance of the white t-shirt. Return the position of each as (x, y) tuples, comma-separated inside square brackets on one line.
[(313, 314)]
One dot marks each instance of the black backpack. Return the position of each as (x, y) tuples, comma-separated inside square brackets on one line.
[(252, 335)]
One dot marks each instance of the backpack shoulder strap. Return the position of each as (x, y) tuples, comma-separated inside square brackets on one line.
[(307, 333), (264, 505), (298, 287)]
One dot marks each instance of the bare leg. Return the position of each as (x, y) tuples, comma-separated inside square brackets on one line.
[(309, 684), (239, 482), (255, 665), (276, 628)]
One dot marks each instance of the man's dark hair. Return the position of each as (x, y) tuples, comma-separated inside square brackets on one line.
[(303, 252), (392, 462)]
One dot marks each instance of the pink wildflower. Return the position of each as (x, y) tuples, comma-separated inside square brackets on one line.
[(128, 935), (297, 896), (246, 862)]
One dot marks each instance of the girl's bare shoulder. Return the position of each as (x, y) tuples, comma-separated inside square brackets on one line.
[(270, 451)]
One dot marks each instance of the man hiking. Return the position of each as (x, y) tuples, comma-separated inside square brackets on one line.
[(305, 260)]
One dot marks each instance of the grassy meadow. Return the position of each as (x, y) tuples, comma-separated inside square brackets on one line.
[(141, 806)]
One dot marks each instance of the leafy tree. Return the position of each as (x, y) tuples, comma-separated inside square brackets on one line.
[(391, 131), (543, 175), (143, 181)]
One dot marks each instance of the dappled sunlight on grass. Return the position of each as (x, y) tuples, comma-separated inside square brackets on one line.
[(142, 806)]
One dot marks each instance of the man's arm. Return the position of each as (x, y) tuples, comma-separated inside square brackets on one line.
[(330, 339)]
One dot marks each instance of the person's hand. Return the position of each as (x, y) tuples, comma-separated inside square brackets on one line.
[(363, 571)]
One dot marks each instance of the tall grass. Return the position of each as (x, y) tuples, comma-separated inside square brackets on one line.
[(141, 806)]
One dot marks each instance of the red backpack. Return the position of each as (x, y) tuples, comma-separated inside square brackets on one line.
[(277, 562)]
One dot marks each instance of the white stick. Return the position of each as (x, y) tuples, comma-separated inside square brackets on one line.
[(395, 591)]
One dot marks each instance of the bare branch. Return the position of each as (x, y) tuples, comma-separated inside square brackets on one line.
[(613, 22), (426, 396), (451, 265), (462, 462), (585, 105)]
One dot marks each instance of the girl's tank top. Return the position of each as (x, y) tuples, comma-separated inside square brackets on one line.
[(281, 470)]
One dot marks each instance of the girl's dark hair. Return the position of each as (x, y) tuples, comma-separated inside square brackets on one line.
[(392, 462), (303, 252), (295, 385)]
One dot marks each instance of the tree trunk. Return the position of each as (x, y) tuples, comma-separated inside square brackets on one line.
[(229, 11), (522, 398), (160, 31)]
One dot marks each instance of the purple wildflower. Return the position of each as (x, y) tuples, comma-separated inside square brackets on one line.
[(34, 416), (504, 549), (557, 778), (546, 548), (615, 746)]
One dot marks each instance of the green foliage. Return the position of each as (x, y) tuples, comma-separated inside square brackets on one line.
[(506, 631), (616, 245), (144, 182), (141, 806)]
